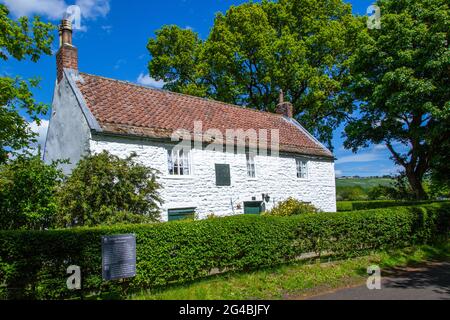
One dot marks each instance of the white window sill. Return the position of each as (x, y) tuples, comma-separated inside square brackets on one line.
[(170, 177)]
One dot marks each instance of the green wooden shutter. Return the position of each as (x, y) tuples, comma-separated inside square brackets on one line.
[(223, 177), (254, 207), (181, 214)]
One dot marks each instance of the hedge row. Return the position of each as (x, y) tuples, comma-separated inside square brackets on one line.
[(33, 264), (376, 204)]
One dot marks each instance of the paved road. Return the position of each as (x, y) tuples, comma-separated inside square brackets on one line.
[(430, 281)]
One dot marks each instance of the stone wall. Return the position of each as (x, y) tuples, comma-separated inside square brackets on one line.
[(275, 176)]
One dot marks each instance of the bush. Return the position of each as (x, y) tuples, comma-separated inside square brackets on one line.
[(382, 193), (27, 189), (365, 205), (33, 264), (351, 193), (292, 207), (344, 206), (105, 189)]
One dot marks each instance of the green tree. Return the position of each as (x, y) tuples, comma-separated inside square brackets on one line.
[(401, 77), (256, 49), (381, 192), (105, 189), (27, 193), (19, 40), (440, 167), (352, 193)]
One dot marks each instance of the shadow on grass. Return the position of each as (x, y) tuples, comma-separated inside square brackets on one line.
[(398, 260)]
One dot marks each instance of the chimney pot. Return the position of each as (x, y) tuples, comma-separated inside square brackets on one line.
[(65, 32), (67, 56), (281, 100), (284, 108)]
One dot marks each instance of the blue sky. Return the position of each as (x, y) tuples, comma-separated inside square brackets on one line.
[(113, 44)]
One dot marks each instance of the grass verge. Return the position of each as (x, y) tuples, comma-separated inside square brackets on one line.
[(294, 280)]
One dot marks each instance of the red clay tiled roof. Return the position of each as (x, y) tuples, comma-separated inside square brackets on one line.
[(124, 108)]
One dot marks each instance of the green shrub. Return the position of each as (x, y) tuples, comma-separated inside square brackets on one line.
[(291, 207), (33, 264), (382, 193), (364, 205), (104, 189), (27, 193), (344, 206)]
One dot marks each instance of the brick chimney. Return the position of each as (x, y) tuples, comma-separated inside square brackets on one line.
[(67, 56), (285, 108)]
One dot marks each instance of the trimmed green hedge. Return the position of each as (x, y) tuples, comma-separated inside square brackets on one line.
[(376, 204), (33, 264)]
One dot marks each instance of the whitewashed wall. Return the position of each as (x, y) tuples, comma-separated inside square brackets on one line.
[(274, 176), (68, 133)]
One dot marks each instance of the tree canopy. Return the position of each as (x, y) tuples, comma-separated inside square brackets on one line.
[(19, 40), (256, 49), (401, 78)]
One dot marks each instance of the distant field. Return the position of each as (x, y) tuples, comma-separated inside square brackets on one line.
[(365, 183)]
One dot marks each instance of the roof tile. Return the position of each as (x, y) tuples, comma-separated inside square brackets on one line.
[(125, 108)]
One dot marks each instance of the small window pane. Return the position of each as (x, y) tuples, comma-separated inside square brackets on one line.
[(251, 167), (302, 169), (178, 162), (170, 162)]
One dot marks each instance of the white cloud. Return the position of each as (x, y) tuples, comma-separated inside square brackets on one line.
[(338, 173), (365, 157), (146, 80), (91, 9), (55, 9), (107, 29), (394, 171), (41, 130), (119, 63), (379, 147), (52, 9)]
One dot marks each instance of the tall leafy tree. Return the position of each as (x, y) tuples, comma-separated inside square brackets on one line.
[(27, 193), (105, 189), (20, 40), (256, 49), (401, 77)]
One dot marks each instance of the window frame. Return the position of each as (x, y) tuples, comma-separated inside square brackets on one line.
[(300, 165), (250, 161), (173, 166)]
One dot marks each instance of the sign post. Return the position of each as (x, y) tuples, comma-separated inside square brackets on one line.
[(118, 257)]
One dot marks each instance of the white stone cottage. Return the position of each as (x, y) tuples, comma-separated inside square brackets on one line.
[(213, 174)]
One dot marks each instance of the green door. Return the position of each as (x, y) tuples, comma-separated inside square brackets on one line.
[(254, 207), (181, 214)]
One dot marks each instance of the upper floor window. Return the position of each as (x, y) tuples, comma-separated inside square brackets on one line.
[(251, 167), (302, 168), (179, 162)]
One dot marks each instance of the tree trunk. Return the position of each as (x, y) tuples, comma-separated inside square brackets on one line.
[(416, 185)]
